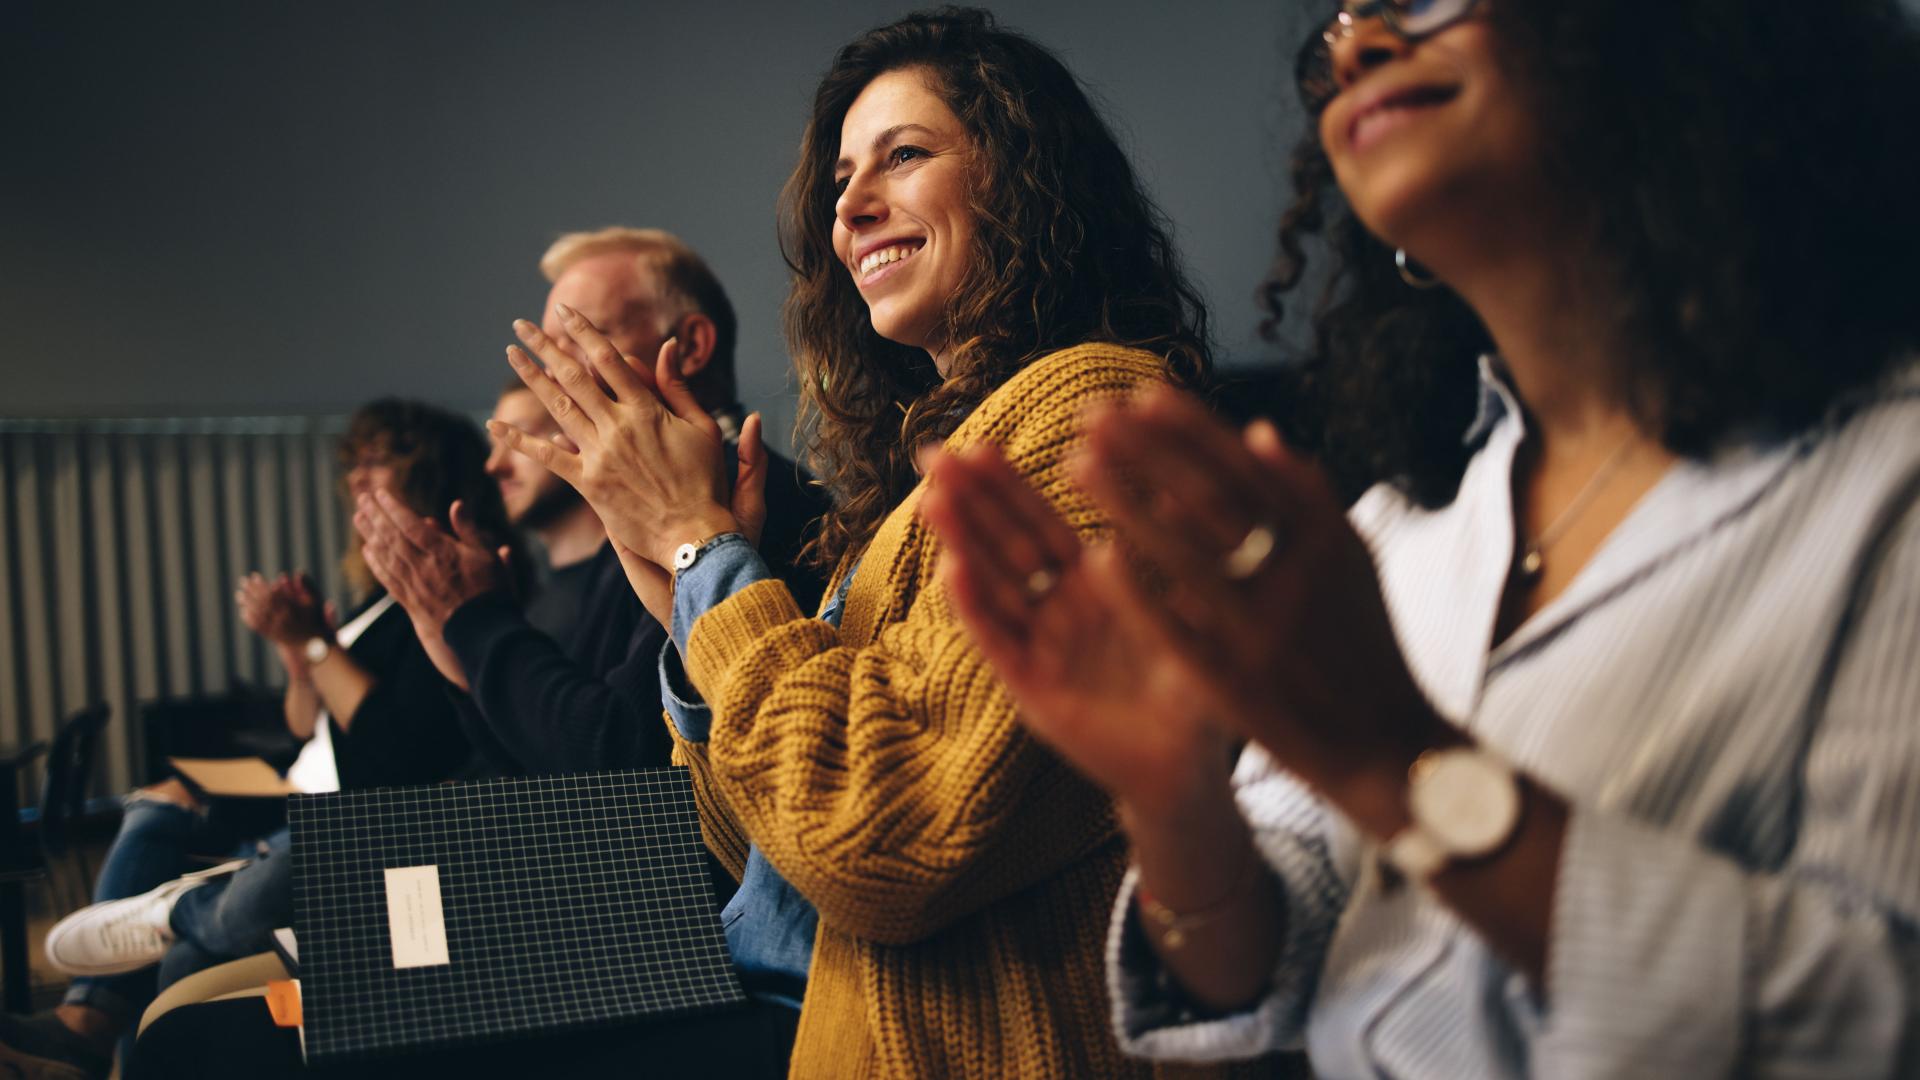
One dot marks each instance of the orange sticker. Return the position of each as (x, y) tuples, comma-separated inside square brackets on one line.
[(283, 1001)]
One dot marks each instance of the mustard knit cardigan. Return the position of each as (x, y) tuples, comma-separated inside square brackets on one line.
[(964, 875)]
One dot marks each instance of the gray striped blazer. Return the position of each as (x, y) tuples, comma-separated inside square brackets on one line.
[(1729, 695)]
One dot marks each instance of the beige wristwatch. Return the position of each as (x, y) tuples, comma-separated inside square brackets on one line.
[(316, 650), (1465, 804)]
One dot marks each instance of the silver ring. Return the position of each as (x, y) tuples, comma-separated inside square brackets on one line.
[(1254, 550), (1040, 583)]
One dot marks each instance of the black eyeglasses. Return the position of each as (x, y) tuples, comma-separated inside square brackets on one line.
[(1411, 20)]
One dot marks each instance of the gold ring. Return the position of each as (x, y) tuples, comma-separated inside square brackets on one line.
[(1254, 550)]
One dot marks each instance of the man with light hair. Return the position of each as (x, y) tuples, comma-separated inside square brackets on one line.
[(569, 683), (641, 287)]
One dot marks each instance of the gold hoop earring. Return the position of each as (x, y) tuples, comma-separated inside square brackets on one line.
[(1412, 272)]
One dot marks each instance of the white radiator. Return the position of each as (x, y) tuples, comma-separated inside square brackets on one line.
[(120, 543)]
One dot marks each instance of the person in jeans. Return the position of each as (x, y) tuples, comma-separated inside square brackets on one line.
[(975, 260), (373, 712)]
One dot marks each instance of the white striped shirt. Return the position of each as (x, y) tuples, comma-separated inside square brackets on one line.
[(1729, 696)]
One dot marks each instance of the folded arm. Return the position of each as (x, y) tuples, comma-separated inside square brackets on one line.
[(552, 714)]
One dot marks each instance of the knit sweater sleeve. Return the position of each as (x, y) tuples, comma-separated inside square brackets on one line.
[(880, 765)]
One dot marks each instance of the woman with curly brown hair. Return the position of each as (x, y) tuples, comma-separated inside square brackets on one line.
[(974, 262), (1584, 744)]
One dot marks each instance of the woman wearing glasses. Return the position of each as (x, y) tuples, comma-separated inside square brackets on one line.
[(1585, 743)]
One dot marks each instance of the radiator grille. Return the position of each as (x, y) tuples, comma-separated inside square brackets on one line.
[(120, 542)]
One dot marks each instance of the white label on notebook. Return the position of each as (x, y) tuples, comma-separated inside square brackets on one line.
[(417, 925)]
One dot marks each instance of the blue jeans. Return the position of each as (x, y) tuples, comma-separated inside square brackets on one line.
[(157, 842), (233, 916)]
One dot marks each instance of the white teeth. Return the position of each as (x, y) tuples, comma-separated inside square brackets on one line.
[(876, 259)]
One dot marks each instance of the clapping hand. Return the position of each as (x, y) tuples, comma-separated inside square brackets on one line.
[(650, 461), (1270, 623), (1272, 598), (429, 571), (1069, 632), (287, 611)]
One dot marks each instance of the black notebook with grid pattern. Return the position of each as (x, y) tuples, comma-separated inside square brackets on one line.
[(469, 912)]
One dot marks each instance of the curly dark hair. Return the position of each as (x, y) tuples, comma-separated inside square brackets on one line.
[(1748, 206), (1068, 248), (437, 457)]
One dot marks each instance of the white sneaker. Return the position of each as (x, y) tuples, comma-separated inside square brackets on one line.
[(117, 936)]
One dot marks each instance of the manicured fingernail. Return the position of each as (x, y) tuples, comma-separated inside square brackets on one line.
[(562, 310), (514, 358)]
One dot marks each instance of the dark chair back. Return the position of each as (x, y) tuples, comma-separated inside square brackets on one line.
[(69, 767), (246, 721)]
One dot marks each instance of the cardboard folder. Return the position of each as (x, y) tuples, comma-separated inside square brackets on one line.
[(245, 778)]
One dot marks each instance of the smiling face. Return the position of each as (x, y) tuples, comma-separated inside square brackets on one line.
[(902, 225), (1430, 134)]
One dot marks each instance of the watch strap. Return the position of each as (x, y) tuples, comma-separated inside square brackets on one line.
[(1416, 853), (687, 554)]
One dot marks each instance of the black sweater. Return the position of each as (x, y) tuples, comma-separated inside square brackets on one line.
[(573, 685), (794, 506), (405, 730)]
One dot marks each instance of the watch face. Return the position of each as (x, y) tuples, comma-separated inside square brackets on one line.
[(1467, 799), (317, 649)]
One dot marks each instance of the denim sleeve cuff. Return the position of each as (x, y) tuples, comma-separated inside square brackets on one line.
[(728, 565), (1150, 1017), (691, 715)]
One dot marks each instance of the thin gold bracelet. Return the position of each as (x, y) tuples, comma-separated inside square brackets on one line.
[(1173, 927)]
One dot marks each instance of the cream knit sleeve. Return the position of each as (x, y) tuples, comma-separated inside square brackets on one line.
[(880, 765)]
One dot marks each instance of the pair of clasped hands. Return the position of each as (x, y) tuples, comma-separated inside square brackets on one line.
[(1264, 620), (1232, 602), (287, 611), (633, 441)]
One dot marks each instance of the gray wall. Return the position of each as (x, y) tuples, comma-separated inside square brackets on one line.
[(276, 208)]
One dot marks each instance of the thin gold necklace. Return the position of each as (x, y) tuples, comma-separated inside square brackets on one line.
[(1531, 557)]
